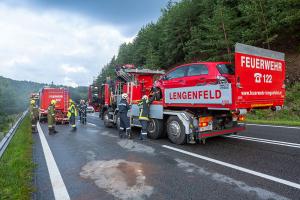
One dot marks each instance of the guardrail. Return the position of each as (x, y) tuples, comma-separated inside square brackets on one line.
[(7, 138)]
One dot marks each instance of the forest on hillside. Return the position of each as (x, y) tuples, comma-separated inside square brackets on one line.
[(206, 30), (14, 95)]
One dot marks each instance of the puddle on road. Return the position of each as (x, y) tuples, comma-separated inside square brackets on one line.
[(134, 146), (258, 192), (121, 178)]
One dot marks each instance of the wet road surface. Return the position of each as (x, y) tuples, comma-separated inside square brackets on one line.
[(95, 164)]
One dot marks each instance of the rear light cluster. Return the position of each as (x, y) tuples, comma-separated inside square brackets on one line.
[(205, 121), (242, 118), (237, 116)]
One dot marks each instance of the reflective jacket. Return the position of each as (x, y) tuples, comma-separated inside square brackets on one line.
[(34, 112), (72, 111), (144, 109), (51, 115), (123, 106)]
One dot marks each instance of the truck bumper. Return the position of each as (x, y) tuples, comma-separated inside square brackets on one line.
[(208, 134)]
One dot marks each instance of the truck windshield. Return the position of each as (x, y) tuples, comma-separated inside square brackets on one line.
[(225, 68)]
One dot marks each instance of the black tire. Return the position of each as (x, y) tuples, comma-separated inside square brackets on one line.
[(106, 121), (155, 128), (176, 130)]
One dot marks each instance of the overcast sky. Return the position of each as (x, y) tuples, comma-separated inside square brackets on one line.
[(67, 41)]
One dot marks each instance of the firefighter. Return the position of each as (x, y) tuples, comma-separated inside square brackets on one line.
[(51, 117), (124, 120), (34, 114), (144, 115), (72, 114), (79, 111), (155, 94), (83, 110)]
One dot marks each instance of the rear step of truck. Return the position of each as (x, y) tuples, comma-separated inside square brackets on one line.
[(221, 132)]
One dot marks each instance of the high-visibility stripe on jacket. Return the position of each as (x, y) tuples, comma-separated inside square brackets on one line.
[(72, 111), (145, 109)]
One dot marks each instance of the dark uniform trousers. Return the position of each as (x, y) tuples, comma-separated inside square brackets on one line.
[(124, 119)]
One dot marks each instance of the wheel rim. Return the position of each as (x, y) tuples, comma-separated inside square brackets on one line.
[(151, 126), (174, 129), (106, 118)]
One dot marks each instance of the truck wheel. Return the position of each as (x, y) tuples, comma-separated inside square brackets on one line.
[(176, 130), (155, 128), (106, 121)]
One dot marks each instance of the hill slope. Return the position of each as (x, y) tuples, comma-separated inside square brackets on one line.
[(14, 94)]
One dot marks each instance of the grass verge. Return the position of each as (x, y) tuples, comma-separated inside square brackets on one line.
[(289, 116), (16, 165)]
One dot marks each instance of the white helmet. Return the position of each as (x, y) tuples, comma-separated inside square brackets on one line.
[(124, 95), (145, 97)]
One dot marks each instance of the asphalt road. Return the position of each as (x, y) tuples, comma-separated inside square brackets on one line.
[(93, 163)]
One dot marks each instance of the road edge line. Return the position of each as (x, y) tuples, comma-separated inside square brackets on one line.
[(274, 126), (295, 145), (58, 185), (242, 169)]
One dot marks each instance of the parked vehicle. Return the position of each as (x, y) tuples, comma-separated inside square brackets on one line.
[(90, 109), (61, 96), (202, 99), (94, 97)]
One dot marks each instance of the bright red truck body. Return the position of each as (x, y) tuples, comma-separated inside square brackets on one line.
[(61, 96)]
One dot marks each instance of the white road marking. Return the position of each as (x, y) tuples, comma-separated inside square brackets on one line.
[(91, 124), (290, 127), (58, 185), (242, 169), (275, 142)]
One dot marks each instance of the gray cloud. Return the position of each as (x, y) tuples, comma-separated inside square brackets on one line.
[(57, 46)]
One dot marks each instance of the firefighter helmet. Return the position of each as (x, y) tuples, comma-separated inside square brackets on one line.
[(124, 95), (145, 97), (32, 102), (53, 101)]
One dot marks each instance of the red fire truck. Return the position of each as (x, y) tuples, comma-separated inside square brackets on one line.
[(203, 99), (61, 96), (94, 97)]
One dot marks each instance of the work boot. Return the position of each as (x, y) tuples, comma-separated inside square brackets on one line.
[(50, 131), (141, 136), (120, 134), (55, 131), (128, 133)]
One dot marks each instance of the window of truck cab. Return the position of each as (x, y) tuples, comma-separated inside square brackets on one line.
[(177, 73), (226, 69), (197, 70)]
